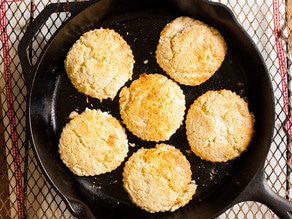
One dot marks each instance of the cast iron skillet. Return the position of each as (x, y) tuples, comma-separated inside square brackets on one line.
[(52, 98)]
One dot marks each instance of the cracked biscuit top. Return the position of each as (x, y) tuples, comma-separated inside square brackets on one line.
[(153, 107), (99, 63), (219, 126), (93, 143), (190, 51), (159, 179)]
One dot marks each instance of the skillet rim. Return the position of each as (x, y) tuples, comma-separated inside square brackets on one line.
[(40, 60)]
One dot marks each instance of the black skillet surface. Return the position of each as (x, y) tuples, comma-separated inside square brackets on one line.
[(53, 98)]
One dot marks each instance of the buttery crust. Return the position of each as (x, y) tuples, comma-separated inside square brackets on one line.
[(93, 143), (153, 107), (100, 63), (219, 126), (159, 179), (190, 51)]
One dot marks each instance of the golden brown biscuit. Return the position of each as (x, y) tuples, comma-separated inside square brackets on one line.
[(99, 63), (190, 51), (93, 143), (152, 107), (159, 179), (219, 126)]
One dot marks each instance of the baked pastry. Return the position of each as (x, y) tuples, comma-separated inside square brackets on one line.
[(93, 143), (159, 179), (219, 126), (153, 107), (190, 51), (99, 63)]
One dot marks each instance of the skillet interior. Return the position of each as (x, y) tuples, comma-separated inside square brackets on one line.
[(53, 97)]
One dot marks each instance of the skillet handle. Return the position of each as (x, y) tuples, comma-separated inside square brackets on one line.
[(259, 190), (76, 207), (28, 67), (79, 209)]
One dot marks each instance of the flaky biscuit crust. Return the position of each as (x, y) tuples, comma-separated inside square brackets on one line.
[(159, 179), (152, 107), (190, 51), (93, 143), (99, 63), (219, 126)]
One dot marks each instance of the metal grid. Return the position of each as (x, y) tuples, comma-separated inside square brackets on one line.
[(27, 194)]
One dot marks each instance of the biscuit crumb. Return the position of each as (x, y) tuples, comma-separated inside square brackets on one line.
[(132, 144), (73, 114)]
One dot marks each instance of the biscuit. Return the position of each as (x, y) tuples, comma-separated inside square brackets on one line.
[(159, 179), (190, 51), (219, 126), (153, 107), (93, 143), (99, 63)]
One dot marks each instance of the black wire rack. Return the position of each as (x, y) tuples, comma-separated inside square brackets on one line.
[(24, 191)]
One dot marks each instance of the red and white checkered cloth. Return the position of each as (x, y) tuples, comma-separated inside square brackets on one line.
[(283, 70), (11, 112)]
